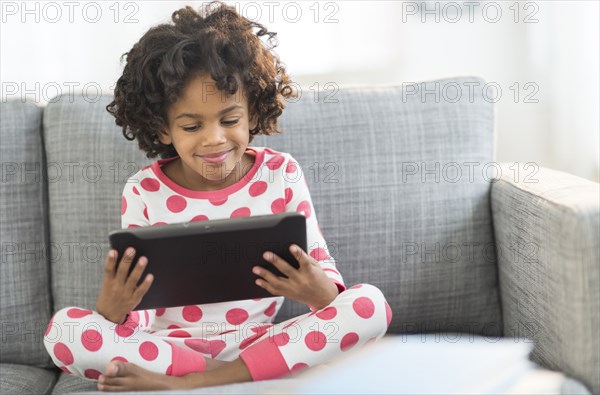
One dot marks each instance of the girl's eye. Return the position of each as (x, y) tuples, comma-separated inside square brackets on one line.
[(231, 122), (190, 128)]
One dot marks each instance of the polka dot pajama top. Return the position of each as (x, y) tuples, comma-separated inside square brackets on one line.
[(176, 340)]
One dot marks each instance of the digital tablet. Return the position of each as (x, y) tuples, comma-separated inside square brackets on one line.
[(210, 261)]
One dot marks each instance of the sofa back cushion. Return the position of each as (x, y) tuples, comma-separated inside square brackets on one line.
[(424, 239), (24, 270)]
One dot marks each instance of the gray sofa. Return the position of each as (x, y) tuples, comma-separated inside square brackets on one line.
[(407, 196)]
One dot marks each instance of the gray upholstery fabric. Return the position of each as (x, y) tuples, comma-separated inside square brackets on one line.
[(24, 270), (89, 161), (364, 158), (68, 384), (548, 235), (22, 379)]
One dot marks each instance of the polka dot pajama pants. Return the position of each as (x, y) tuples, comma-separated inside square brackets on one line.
[(176, 341)]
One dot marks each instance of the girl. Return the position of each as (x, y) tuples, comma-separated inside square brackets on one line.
[(196, 92)]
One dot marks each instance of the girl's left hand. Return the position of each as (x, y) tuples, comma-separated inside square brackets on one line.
[(308, 284)]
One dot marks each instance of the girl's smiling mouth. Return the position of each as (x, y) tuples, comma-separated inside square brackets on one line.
[(216, 158)]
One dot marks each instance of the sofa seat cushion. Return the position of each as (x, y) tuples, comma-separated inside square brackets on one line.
[(22, 379)]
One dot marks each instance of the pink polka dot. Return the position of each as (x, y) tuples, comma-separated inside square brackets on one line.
[(299, 367), (289, 194), (200, 345), (261, 329), (176, 203), (216, 346), (122, 359), (199, 218), (91, 340), (169, 371), (241, 212), (78, 313), (146, 212), (92, 374), (135, 190), (63, 354), (133, 226), (327, 314), (173, 326), (275, 162), (320, 254), (147, 317), (364, 307), (348, 341), (278, 206), (236, 316), (179, 333), (388, 313), (304, 206), (123, 205), (271, 309), (159, 223), (49, 327), (134, 317), (148, 351), (218, 201), (291, 167), (65, 370), (249, 340), (191, 313), (125, 330), (257, 188), (281, 339), (150, 184), (160, 311), (315, 340)]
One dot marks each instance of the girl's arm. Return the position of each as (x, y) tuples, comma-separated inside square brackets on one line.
[(133, 214), (298, 199), (316, 282)]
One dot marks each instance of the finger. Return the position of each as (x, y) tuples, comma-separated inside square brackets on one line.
[(136, 273), (125, 263), (110, 263), (267, 275), (281, 265), (143, 288), (304, 260), (261, 282)]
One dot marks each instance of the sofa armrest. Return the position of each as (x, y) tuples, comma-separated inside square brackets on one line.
[(547, 234)]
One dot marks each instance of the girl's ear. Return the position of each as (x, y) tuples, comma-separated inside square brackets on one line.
[(164, 137), (253, 122)]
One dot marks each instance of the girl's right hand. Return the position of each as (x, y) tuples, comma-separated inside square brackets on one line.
[(120, 293)]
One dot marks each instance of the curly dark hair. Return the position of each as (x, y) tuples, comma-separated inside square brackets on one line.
[(217, 41)]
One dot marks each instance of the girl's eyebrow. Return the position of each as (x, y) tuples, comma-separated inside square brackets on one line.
[(223, 111)]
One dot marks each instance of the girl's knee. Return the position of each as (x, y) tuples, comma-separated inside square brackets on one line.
[(68, 324), (368, 291), (371, 298)]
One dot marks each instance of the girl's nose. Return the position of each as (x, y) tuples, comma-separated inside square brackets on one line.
[(212, 137)]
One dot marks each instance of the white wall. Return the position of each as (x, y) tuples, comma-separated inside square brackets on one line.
[(365, 43)]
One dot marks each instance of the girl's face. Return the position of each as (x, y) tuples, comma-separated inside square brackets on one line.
[(206, 121)]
